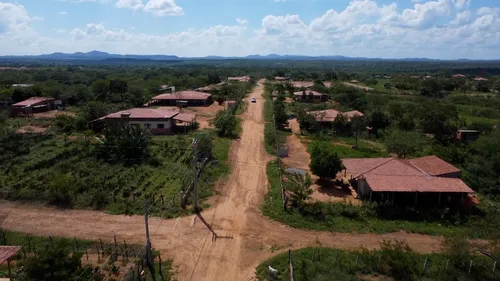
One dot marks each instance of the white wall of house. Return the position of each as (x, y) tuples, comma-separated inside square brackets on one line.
[(167, 124)]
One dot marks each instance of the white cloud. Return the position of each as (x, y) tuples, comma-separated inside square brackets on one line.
[(56, 30), (63, 13), (241, 21), (439, 29), (163, 8), (130, 4)]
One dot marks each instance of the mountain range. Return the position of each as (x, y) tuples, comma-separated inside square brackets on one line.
[(99, 56)]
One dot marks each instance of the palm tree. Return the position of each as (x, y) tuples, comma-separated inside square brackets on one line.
[(299, 187)]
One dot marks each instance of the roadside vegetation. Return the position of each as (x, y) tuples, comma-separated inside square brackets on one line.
[(408, 114), (61, 259), (394, 261)]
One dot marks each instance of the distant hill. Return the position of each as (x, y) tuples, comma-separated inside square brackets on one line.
[(104, 56)]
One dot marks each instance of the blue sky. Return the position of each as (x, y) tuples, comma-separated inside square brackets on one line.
[(374, 28)]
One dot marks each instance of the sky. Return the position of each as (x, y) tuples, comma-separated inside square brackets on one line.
[(443, 29)]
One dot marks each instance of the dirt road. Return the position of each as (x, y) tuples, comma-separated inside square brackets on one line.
[(246, 238), (364, 88)]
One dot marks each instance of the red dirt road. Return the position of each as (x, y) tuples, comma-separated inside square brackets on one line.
[(249, 237)]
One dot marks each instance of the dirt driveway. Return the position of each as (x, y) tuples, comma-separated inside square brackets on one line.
[(364, 88), (246, 237)]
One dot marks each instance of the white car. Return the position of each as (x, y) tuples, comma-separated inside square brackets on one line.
[(254, 100)]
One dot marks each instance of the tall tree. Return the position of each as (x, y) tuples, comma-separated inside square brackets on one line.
[(404, 144), (325, 162)]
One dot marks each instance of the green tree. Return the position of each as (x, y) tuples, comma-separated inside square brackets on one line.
[(404, 144), (378, 120), (325, 163), (55, 265), (299, 187), (128, 144), (100, 88), (280, 113), (342, 126), (225, 124)]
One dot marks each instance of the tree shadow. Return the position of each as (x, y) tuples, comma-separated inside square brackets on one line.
[(333, 188)]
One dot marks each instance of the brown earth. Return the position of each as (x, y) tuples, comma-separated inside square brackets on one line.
[(246, 238), (365, 88), (31, 129), (204, 114), (52, 114)]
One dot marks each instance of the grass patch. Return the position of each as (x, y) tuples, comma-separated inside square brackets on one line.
[(392, 262), (366, 149), (341, 217)]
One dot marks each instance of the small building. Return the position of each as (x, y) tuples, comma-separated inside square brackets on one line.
[(183, 98), (302, 84), (32, 105), (158, 121), (458, 75), (329, 115), (21, 85), (426, 180), (280, 78), (6, 255), (354, 81), (480, 79), (467, 135), (245, 78), (310, 96)]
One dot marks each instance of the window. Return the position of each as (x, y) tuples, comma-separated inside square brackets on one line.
[(161, 126), (147, 125)]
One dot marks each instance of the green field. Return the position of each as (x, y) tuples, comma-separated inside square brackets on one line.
[(393, 262), (64, 171)]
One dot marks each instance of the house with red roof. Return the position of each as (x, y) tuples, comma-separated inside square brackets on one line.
[(183, 98), (32, 105), (158, 121), (426, 180), (310, 96), (329, 115)]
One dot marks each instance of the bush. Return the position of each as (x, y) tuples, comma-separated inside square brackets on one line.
[(325, 162), (226, 124)]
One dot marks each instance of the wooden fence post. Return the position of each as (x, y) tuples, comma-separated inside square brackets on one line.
[(4, 238), (87, 253), (494, 266), (290, 264), (51, 242), (470, 266), (77, 246), (29, 242), (126, 249), (425, 265), (378, 263), (102, 247)]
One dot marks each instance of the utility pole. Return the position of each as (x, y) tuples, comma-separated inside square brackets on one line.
[(195, 168), (149, 251)]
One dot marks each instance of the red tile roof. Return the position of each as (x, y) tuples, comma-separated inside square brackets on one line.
[(143, 113), (351, 114), (32, 101), (416, 184), (433, 165), (245, 78), (183, 95), (480, 79), (308, 92), (300, 84), (328, 115), (185, 117), (6, 252), (399, 175)]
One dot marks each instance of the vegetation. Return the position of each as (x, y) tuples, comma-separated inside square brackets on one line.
[(226, 124), (56, 258), (325, 162), (404, 144), (74, 172), (380, 218), (394, 261)]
